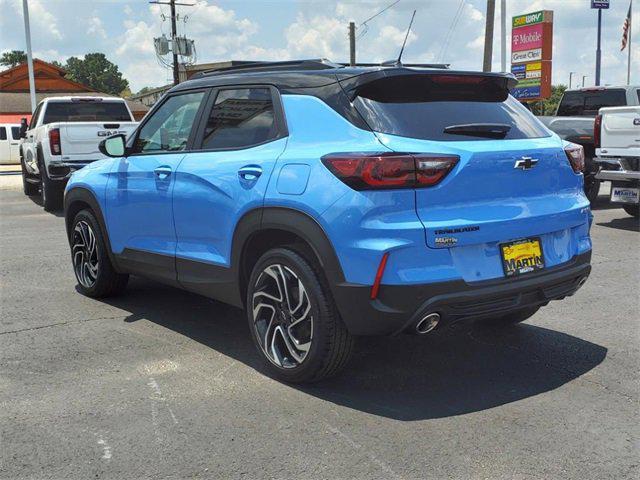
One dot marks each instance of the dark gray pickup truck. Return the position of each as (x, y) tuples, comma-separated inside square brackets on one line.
[(574, 122)]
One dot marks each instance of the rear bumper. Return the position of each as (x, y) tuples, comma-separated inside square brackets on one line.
[(63, 170), (399, 307), (618, 175)]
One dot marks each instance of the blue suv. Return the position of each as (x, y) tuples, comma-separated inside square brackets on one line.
[(331, 202)]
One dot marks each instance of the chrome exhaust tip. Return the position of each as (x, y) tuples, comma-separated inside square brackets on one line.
[(582, 281), (428, 323)]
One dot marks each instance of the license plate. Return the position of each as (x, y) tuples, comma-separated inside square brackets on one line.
[(625, 195), (521, 256)]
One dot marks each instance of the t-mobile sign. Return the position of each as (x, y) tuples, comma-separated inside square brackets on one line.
[(531, 51)]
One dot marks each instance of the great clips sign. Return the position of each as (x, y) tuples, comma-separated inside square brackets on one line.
[(531, 53)]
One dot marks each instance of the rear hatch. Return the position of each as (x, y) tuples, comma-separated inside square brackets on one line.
[(84, 122), (512, 180), (620, 129)]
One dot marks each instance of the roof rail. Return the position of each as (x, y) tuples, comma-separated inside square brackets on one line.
[(311, 64), (393, 64)]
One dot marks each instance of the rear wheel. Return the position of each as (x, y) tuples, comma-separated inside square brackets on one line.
[(633, 210), (91, 263), (293, 319), (52, 191), (517, 316), (591, 187), (29, 188)]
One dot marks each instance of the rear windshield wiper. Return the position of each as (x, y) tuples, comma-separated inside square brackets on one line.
[(489, 130)]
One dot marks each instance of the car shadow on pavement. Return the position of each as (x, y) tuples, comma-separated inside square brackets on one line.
[(37, 199), (463, 369), (628, 223)]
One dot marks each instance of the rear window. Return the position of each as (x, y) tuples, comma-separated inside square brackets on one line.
[(421, 109), (86, 112), (587, 103)]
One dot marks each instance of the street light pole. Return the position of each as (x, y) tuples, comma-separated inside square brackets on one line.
[(503, 35), (27, 33), (583, 79), (571, 77), (598, 53)]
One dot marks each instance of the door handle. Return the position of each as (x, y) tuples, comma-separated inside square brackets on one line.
[(163, 172), (250, 172)]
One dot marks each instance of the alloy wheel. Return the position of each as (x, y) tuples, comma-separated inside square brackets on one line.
[(282, 317), (85, 254)]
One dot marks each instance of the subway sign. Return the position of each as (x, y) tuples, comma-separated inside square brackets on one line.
[(531, 52)]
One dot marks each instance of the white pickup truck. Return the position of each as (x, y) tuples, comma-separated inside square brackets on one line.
[(617, 140), (63, 136)]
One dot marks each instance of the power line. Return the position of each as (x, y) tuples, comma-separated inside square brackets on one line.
[(364, 24), (449, 35)]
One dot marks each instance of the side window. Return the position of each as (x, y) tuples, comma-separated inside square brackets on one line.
[(3, 133), (34, 117), (240, 118), (169, 127), (15, 133)]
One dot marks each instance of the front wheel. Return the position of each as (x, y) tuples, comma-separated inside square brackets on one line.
[(293, 320), (94, 271)]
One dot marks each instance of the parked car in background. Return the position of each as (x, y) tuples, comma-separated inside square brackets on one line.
[(9, 143), (617, 139), (63, 136), (574, 122), (333, 201)]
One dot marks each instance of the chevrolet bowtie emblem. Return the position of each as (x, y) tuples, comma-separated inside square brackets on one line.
[(526, 163)]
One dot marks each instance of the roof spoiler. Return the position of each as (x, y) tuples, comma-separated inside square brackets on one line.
[(395, 85)]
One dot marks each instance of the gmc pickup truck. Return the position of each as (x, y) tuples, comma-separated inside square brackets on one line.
[(574, 122), (63, 136), (617, 139)]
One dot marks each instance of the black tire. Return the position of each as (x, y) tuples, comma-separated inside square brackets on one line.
[(516, 317), (29, 189), (107, 281), (52, 191), (329, 342), (591, 188), (633, 210)]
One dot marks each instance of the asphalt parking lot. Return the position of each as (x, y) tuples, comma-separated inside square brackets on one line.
[(160, 383)]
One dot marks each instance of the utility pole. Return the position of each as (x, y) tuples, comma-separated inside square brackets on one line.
[(27, 33), (174, 50), (503, 35), (174, 33), (598, 52), (488, 36), (352, 44)]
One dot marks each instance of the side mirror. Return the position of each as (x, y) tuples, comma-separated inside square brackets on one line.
[(113, 146), (23, 127)]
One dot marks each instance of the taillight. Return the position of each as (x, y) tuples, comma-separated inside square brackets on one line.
[(388, 170), (54, 141), (575, 154), (597, 127)]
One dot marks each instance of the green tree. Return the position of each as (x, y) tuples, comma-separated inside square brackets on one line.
[(96, 71), (550, 105), (13, 58)]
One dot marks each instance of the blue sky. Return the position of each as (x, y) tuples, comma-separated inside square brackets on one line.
[(284, 29)]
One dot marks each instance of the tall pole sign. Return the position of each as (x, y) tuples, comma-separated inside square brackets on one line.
[(531, 54), (599, 5)]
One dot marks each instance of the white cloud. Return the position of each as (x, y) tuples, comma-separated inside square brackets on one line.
[(96, 28)]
